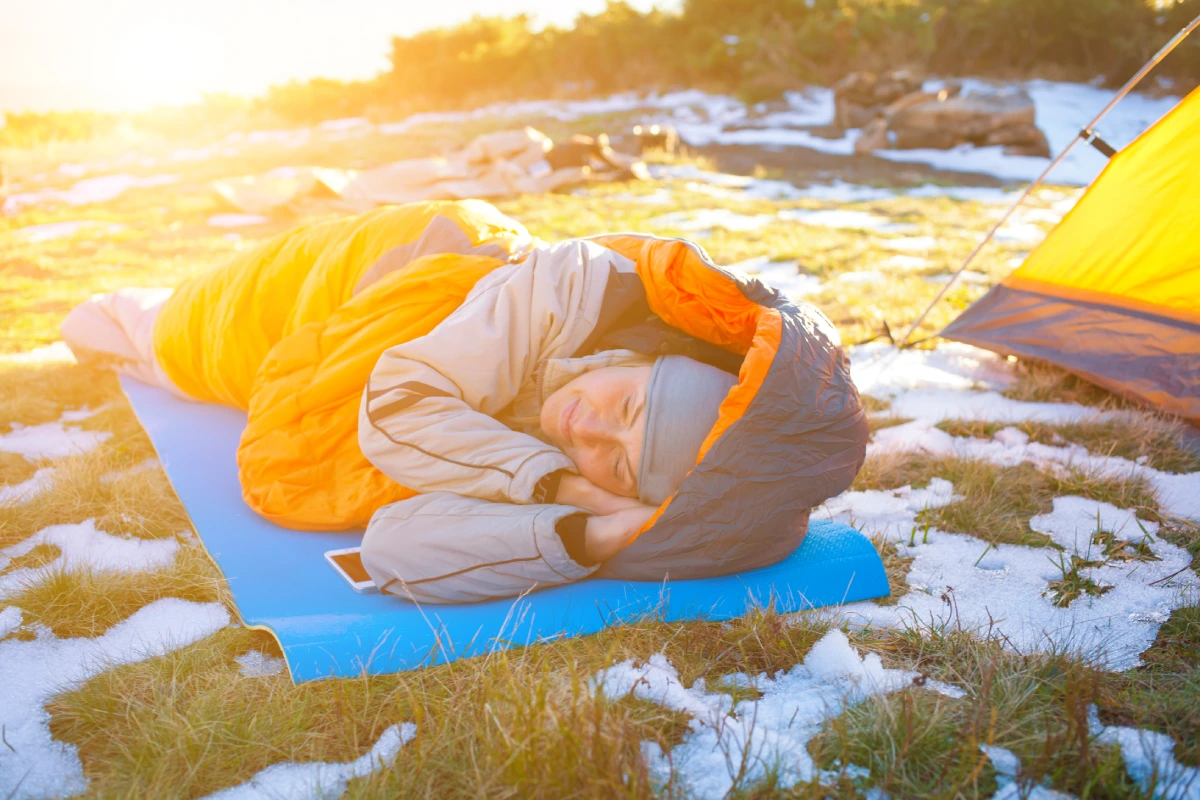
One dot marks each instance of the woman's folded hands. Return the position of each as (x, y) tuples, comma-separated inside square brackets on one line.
[(615, 520)]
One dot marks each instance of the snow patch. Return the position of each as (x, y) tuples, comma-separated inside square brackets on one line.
[(10, 620), (90, 190), (33, 672), (51, 439), (1149, 759), (236, 220), (83, 546), (843, 218), (782, 275), (61, 230), (907, 262), (1008, 767), (966, 276), (957, 580), (910, 244), (1178, 494), (772, 731), (316, 780), (707, 218), (880, 370), (659, 197), (27, 490), (257, 664), (51, 353)]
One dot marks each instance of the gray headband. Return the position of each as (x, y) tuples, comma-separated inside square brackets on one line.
[(683, 402)]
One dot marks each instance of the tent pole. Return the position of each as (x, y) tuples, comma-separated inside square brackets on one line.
[(1084, 131)]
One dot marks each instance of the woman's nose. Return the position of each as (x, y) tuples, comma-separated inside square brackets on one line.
[(591, 427)]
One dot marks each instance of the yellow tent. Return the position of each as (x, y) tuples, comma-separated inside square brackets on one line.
[(1113, 293)]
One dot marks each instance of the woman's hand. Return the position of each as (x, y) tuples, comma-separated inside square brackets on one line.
[(578, 491), (608, 534)]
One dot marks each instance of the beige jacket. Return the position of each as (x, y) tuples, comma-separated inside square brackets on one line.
[(453, 415)]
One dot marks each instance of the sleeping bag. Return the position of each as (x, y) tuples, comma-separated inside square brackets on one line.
[(392, 364)]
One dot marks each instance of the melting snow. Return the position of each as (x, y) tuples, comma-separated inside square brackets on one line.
[(771, 731), (51, 439), (862, 276), (90, 190), (842, 218), (257, 664), (711, 218), (908, 262), (883, 371), (29, 489), (1149, 759), (61, 230), (40, 355), (1178, 494), (1008, 767), (33, 672), (82, 546), (910, 244), (318, 779), (783, 275), (959, 580), (966, 276), (236, 220), (659, 197), (10, 620)]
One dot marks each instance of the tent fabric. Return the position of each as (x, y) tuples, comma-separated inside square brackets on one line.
[(281, 332), (1111, 294), (280, 582)]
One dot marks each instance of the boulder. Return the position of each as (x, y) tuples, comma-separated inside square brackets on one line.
[(974, 115), (861, 96), (1020, 140), (874, 136)]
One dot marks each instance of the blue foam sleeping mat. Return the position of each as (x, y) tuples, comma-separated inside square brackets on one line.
[(282, 583)]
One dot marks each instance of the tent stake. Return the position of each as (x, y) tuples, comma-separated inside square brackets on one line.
[(1084, 132)]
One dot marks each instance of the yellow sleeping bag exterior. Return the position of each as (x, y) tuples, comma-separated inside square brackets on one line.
[(291, 330)]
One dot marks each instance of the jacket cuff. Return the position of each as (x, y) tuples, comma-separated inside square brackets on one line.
[(523, 486), (573, 532), (551, 547)]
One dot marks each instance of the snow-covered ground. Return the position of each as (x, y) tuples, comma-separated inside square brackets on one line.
[(701, 119), (34, 670)]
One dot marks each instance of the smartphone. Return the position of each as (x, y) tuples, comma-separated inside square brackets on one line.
[(348, 564)]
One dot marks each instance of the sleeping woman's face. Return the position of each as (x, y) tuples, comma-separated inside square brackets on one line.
[(598, 420)]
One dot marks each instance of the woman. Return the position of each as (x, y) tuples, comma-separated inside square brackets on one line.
[(487, 401), (533, 464)]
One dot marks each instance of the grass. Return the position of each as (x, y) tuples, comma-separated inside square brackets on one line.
[(525, 723), (998, 502)]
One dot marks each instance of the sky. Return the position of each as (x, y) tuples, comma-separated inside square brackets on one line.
[(119, 55)]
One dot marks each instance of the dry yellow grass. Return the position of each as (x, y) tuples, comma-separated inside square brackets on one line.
[(524, 723)]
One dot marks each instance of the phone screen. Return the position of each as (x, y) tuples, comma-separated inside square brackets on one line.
[(351, 564)]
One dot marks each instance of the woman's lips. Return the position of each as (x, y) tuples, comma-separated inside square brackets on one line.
[(568, 416)]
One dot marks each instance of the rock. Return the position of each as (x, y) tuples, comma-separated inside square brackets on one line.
[(922, 138), (1041, 151), (973, 114), (861, 96), (851, 115), (892, 86), (1024, 140), (874, 137), (893, 112)]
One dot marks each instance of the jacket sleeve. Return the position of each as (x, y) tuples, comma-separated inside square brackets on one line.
[(445, 548), (427, 414)]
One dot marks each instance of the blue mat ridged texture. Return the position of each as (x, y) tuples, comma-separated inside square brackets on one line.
[(281, 581)]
